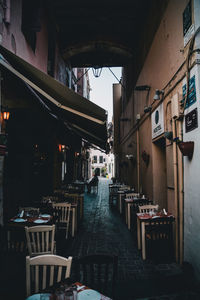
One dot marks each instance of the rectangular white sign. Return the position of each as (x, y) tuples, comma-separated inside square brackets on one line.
[(157, 121)]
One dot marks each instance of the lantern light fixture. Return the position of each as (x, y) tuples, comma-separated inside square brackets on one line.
[(5, 113), (97, 71)]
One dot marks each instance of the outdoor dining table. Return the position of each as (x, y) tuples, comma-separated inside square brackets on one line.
[(17, 224), (142, 221), (57, 292)]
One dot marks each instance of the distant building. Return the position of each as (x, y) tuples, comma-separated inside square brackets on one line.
[(102, 163)]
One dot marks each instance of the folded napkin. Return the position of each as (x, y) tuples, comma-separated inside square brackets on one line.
[(21, 214)]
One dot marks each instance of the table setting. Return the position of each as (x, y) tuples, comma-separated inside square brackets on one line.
[(143, 219), (67, 291)]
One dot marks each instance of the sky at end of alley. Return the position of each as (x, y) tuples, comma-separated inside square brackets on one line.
[(102, 89)]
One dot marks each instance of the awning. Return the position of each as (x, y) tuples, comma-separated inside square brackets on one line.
[(82, 115)]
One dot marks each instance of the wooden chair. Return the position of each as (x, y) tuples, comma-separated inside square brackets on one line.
[(40, 240), (128, 199), (125, 188), (98, 271), (61, 212), (113, 193), (148, 208), (159, 238), (47, 269)]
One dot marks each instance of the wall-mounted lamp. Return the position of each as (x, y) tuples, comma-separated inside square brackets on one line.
[(147, 109), (5, 113), (157, 95)]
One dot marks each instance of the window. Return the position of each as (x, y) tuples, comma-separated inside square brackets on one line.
[(31, 23), (100, 159), (94, 161)]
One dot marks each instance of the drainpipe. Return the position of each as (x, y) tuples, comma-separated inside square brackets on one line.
[(138, 160), (176, 192), (181, 196), (7, 12)]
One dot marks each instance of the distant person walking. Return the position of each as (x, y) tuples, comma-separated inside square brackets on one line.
[(92, 182)]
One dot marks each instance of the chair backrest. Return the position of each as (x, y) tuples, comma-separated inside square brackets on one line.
[(113, 189), (148, 208), (40, 239), (62, 211), (46, 270), (159, 239), (130, 196), (124, 188), (98, 271), (160, 228)]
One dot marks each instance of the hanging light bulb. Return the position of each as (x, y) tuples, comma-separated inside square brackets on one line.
[(96, 71)]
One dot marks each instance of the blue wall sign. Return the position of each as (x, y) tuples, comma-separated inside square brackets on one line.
[(192, 93)]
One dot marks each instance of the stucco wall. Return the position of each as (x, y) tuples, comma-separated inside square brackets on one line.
[(13, 32), (163, 60), (191, 187)]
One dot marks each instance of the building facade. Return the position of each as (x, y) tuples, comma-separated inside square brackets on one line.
[(156, 113)]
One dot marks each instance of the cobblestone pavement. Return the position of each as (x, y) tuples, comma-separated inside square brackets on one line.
[(104, 231)]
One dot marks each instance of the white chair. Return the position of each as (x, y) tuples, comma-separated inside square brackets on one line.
[(40, 239), (127, 203), (148, 208), (62, 213), (57, 267)]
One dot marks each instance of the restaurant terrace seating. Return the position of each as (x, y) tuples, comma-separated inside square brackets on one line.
[(61, 212), (98, 271), (159, 238), (46, 270), (40, 239), (148, 208), (29, 209), (113, 192)]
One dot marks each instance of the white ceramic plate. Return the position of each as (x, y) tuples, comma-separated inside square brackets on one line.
[(45, 216), (19, 220), (38, 221), (89, 295), (37, 297)]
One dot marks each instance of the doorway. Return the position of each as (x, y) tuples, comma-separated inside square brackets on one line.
[(159, 173)]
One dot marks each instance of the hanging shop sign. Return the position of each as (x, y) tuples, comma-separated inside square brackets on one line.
[(191, 120), (192, 93), (157, 121)]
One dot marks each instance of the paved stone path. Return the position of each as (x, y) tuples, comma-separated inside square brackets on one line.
[(104, 231)]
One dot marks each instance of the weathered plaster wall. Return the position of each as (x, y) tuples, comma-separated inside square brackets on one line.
[(22, 49), (163, 60), (191, 187)]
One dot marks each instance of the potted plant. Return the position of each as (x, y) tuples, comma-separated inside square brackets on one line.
[(186, 148)]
